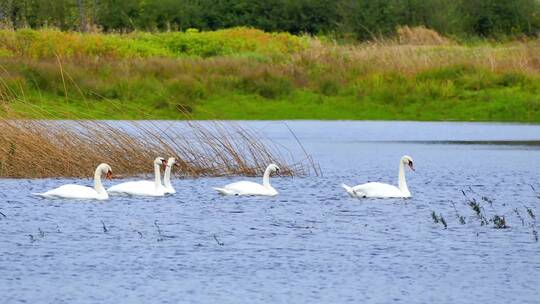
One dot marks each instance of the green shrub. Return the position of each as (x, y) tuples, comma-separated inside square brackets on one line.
[(328, 86), (480, 80), (512, 79), (184, 92), (268, 86), (43, 76), (446, 73), (48, 43)]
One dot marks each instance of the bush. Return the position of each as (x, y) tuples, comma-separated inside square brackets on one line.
[(267, 85), (451, 73), (184, 92), (512, 79), (328, 86), (51, 43)]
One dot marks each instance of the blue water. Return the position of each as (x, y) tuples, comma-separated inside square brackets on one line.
[(311, 243)]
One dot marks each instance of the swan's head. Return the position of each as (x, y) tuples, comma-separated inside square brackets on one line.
[(407, 160), (160, 161), (106, 170), (273, 168), (171, 162)]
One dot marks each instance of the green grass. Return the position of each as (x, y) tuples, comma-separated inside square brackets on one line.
[(508, 104), (248, 74), (404, 99)]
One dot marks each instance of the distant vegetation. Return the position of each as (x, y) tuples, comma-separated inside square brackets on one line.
[(244, 73), (353, 19), (271, 59)]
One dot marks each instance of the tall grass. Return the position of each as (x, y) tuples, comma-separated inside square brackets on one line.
[(40, 148), (248, 74)]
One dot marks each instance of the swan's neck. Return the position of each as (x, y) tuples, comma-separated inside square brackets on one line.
[(98, 186), (167, 177), (402, 184), (157, 175), (266, 178)]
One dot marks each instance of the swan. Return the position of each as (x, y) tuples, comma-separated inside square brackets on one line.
[(143, 188), (251, 188), (81, 192), (167, 176), (380, 190)]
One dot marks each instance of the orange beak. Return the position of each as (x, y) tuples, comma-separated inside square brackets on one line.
[(109, 175)]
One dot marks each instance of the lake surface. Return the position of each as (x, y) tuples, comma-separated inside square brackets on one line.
[(312, 243)]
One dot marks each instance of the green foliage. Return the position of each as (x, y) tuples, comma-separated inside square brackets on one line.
[(237, 41), (183, 93), (266, 85), (328, 86)]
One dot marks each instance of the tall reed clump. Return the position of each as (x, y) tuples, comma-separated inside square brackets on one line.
[(38, 148)]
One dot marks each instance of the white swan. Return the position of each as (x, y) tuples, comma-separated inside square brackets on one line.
[(251, 188), (380, 190), (167, 176), (72, 191), (142, 188)]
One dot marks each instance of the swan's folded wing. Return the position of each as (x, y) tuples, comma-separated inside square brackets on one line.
[(376, 190), (134, 188), (224, 191), (244, 188), (71, 191)]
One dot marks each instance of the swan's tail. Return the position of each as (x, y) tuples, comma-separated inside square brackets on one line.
[(349, 190), (44, 195), (224, 191)]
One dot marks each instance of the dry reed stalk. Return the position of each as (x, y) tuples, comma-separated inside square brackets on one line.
[(420, 35), (409, 59), (38, 148)]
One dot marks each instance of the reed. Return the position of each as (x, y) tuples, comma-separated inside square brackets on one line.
[(460, 217), (530, 213), (499, 222), (439, 219), (40, 148), (516, 211)]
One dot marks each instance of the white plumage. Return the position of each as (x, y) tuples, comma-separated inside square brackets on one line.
[(251, 188), (380, 190)]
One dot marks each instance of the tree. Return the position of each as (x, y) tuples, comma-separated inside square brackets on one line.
[(489, 18), (82, 16), (360, 19)]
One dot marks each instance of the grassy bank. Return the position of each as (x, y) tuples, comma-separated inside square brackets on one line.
[(248, 74)]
